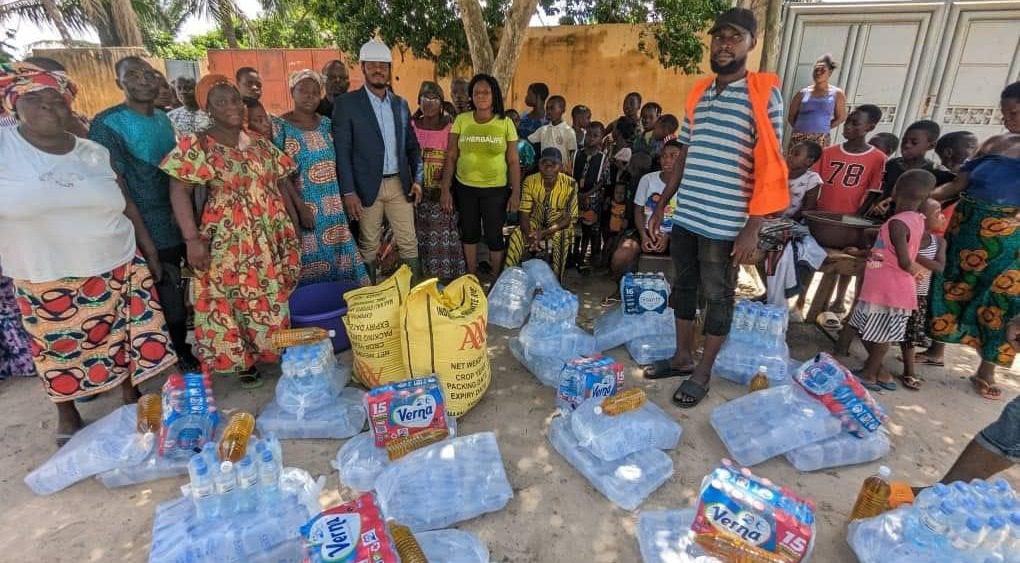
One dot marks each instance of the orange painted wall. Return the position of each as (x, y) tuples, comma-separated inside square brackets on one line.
[(594, 65)]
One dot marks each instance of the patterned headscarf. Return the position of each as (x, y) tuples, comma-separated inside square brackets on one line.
[(299, 75), (206, 84), (18, 79)]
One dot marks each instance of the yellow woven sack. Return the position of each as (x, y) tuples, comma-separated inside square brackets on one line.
[(373, 327), (444, 333)]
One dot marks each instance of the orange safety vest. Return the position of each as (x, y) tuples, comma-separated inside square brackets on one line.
[(771, 192)]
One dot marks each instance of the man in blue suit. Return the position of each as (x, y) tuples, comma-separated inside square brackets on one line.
[(378, 159)]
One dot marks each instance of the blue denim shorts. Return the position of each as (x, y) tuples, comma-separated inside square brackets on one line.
[(1003, 435)]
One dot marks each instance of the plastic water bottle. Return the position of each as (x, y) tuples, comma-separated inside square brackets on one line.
[(225, 481), (938, 520), (269, 480), (510, 298), (1011, 545), (1001, 490), (202, 490), (969, 535), (931, 497), (247, 484), (996, 533), (874, 495)]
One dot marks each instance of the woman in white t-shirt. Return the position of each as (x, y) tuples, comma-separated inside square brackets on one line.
[(647, 198), (68, 239)]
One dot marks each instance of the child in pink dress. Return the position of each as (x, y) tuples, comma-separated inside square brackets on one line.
[(889, 291)]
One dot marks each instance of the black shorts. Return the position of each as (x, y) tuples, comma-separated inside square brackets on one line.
[(481, 210)]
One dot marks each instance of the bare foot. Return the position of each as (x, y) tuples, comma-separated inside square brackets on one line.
[(129, 393), (68, 422)]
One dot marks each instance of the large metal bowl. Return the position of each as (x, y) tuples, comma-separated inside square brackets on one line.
[(838, 230)]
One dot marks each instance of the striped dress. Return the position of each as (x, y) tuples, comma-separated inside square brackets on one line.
[(719, 172)]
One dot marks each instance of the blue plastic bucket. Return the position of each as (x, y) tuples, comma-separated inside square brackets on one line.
[(322, 305)]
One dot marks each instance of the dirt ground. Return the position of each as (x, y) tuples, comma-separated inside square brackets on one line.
[(555, 515)]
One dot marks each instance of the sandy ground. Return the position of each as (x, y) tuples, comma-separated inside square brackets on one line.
[(555, 515)]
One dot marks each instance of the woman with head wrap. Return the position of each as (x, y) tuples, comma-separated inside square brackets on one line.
[(244, 247), (328, 250), (70, 239), (439, 247)]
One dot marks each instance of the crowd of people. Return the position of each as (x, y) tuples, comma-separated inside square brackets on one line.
[(114, 227)]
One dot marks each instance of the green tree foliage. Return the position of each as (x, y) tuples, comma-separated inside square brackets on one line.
[(429, 29), (673, 33), (266, 32)]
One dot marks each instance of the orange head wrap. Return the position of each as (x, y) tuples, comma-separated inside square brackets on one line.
[(206, 84)]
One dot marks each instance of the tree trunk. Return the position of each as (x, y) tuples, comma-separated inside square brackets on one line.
[(515, 31), (227, 23), (125, 24), (773, 36), (57, 19), (477, 35)]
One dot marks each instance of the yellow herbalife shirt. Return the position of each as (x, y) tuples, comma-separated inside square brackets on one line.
[(482, 146)]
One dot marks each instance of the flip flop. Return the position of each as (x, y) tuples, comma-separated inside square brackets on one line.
[(692, 389), (912, 383), (888, 385), (926, 360), (663, 369), (870, 386), (986, 390), (250, 379), (829, 320), (611, 300)]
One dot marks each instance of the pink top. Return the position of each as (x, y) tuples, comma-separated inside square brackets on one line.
[(885, 283), (433, 152)]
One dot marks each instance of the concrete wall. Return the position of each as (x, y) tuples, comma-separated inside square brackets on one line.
[(92, 70), (593, 65)]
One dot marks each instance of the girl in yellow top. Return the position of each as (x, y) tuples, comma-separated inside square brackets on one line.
[(548, 213), (482, 175)]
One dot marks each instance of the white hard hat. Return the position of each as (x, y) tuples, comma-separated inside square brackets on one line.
[(375, 51)]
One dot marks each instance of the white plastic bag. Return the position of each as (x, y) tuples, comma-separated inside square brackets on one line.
[(343, 418), (612, 437)]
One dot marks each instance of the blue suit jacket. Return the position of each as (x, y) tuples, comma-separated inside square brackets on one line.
[(359, 145)]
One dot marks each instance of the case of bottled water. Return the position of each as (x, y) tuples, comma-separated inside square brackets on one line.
[(151, 468), (614, 328), (510, 298), (975, 522), (452, 546), (445, 483), (644, 292), (627, 481), (664, 536), (107, 444), (359, 462), (612, 437), (551, 329), (757, 338), (842, 449), (766, 423), (541, 274), (660, 344), (343, 417), (547, 369)]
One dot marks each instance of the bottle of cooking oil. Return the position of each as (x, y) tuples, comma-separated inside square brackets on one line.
[(628, 400), (760, 380), (406, 444), (285, 338), (234, 443), (407, 546), (874, 496), (150, 413)]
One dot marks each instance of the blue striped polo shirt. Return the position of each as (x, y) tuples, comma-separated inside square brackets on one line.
[(719, 173)]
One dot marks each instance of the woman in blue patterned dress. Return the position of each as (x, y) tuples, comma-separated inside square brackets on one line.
[(328, 250)]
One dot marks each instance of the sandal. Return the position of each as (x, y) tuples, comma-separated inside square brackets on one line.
[(663, 369), (250, 379), (987, 390), (911, 382), (888, 385), (689, 394), (922, 359), (869, 385)]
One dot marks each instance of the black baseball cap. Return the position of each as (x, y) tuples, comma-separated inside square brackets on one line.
[(551, 153), (741, 19)]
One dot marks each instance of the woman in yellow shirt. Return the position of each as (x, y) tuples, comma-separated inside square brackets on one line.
[(482, 175), (548, 213)]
